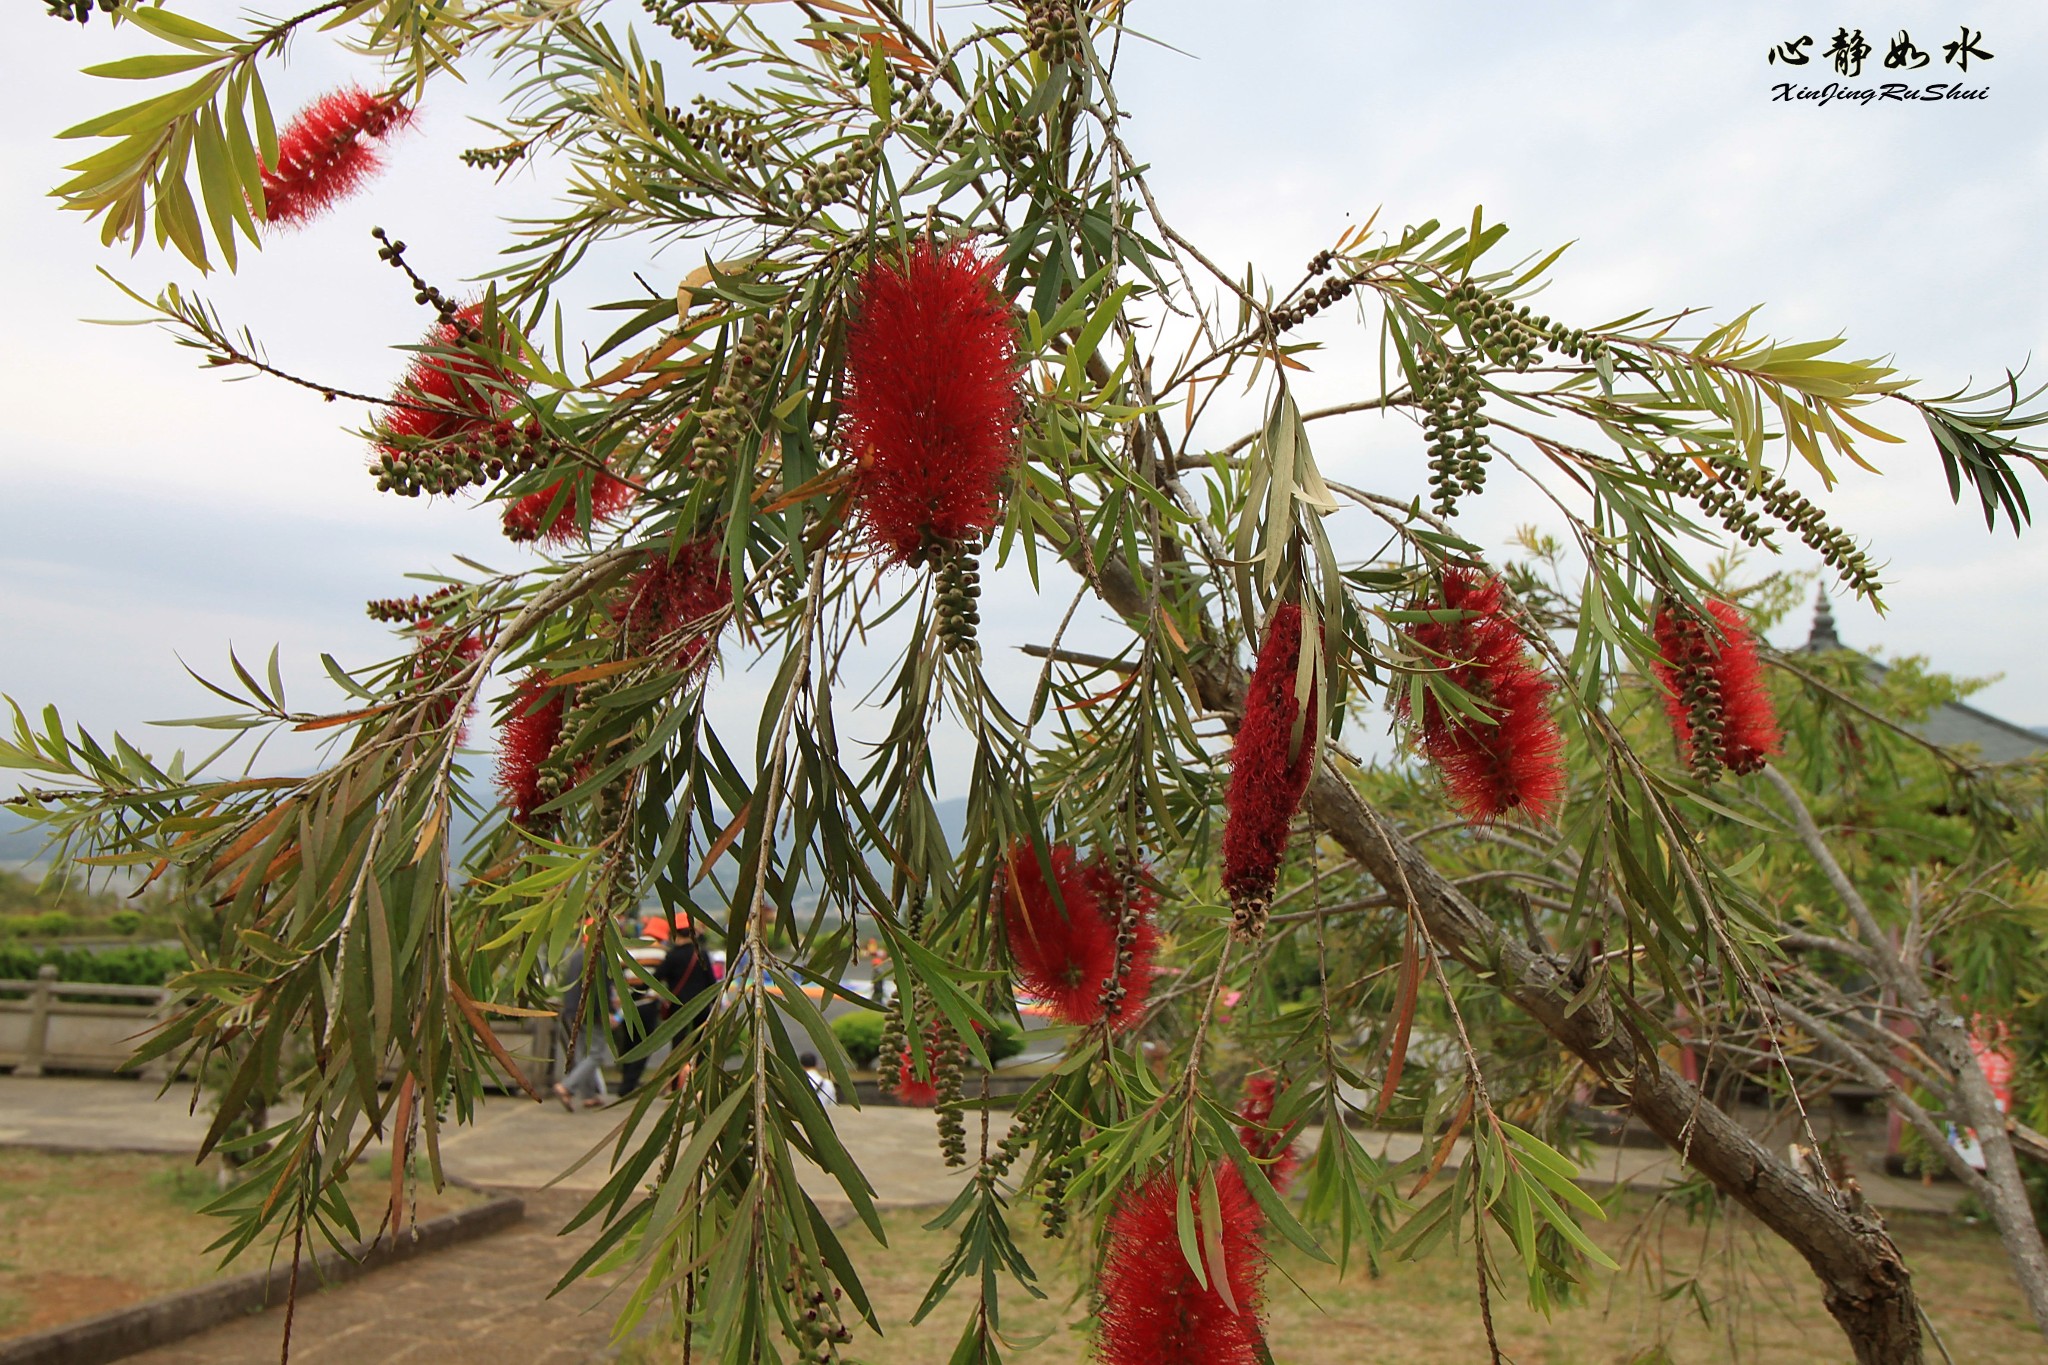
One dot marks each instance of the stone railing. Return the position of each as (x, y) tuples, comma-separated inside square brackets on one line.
[(86, 1026), (73, 1025)]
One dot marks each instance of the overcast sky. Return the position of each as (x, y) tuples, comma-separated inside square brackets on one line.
[(154, 513)]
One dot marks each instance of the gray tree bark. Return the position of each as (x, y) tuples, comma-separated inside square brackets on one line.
[(1948, 1039), (1864, 1281)]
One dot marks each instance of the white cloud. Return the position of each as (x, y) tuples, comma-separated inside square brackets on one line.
[(174, 513)]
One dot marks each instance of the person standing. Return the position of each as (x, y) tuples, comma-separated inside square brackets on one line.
[(827, 1092), (686, 973), (646, 1011), (584, 1080)]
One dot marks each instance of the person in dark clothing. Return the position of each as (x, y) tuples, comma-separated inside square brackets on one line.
[(589, 1037), (686, 973), (647, 1008), (685, 969)]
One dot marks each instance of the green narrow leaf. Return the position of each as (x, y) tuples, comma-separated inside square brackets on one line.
[(153, 115), (1184, 1225), (173, 27), (266, 127), (220, 187), (178, 217), (152, 65), (1212, 1240)]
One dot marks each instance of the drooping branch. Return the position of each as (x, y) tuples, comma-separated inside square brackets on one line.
[(1865, 1283), (2003, 1188)]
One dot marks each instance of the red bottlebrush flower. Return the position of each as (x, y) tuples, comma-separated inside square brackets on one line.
[(671, 595), (1518, 760), (1267, 775), (1065, 948), (919, 1094), (1261, 1140), (549, 515), (922, 1092), (931, 398), (325, 153), (443, 396), (1153, 1309), (1714, 683), (436, 657), (528, 735)]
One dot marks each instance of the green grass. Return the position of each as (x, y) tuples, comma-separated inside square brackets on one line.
[(82, 1234), (1760, 1301)]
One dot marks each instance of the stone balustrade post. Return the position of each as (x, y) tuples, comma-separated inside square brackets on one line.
[(158, 1069), (39, 998), (545, 1070)]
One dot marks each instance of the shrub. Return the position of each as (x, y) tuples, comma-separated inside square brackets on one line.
[(860, 1034), (124, 921), (134, 965), (50, 924), (1006, 1042)]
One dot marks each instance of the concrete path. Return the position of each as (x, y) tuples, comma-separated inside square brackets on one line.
[(514, 1143), (486, 1301), (481, 1303)]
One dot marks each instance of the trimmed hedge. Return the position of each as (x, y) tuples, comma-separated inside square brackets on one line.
[(861, 1035), (130, 966), (42, 924)]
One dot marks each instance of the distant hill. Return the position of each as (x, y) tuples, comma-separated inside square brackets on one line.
[(20, 840)]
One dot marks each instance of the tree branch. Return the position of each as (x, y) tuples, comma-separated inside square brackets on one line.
[(1865, 1283), (2004, 1190)]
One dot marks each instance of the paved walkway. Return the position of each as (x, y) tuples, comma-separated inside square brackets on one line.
[(481, 1303), (516, 1143), (486, 1301)]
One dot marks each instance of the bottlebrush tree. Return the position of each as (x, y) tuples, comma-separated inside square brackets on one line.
[(944, 328)]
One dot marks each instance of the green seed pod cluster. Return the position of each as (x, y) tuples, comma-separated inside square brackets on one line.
[(1052, 29), (555, 775), (412, 467), (812, 1308), (714, 127), (1453, 420), (959, 595), (406, 610), (1718, 498), (79, 11), (1113, 991), (723, 424), (464, 332), (495, 158), (1730, 496), (685, 25), (948, 1062), (889, 1054), (1053, 1181), (1330, 291), (828, 184), (1019, 140), (1023, 1123), (1699, 691), (894, 1045), (1512, 336)]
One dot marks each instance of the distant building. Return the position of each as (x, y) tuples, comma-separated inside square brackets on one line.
[(1952, 725)]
